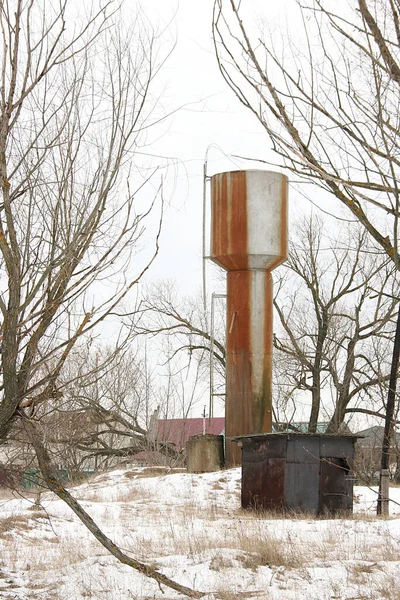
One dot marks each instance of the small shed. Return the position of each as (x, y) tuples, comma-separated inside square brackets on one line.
[(310, 473)]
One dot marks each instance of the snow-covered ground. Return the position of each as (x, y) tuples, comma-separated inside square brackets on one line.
[(191, 528)]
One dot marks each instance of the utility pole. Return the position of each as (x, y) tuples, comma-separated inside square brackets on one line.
[(383, 497)]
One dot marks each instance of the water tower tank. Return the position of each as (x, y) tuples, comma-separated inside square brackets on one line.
[(248, 239)]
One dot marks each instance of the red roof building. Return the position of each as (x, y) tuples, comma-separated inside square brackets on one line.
[(178, 431)]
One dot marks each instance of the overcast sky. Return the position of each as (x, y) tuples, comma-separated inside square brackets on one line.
[(210, 118)]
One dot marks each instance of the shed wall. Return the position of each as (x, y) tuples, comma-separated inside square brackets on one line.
[(309, 473)]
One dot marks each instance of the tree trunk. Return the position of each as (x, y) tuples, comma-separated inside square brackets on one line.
[(344, 395), (315, 401)]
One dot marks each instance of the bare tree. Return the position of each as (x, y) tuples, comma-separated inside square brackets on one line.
[(77, 104), (336, 305), (183, 325), (70, 125), (99, 414), (102, 415), (164, 311), (331, 107), (331, 111), (335, 300)]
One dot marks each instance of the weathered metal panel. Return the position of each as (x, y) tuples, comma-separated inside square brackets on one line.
[(257, 448), (311, 482), (229, 220), (263, 484), (238, 363), (267, 229), (302, 487), (336, 486), (248, 407), (341, 447), (303, 449), (249, 219)]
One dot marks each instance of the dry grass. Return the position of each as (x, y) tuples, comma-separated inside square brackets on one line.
[(259, 547), (158, 471), (97, 493), (223, 594), (49, 559), (6, 493), (361, 548), (219, 562), (386, 550), (272, 515), (24, 554), (192, 536), (217, 486), (265, 550), (257, 514), (244, 539), (360, 572), (389, 589), (11, 522), (152, 472), (136, 494), (9, 493)]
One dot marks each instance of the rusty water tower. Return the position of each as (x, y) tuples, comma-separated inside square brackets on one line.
[(248, 239)]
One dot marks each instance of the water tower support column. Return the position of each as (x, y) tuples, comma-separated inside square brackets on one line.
[(249, 356)]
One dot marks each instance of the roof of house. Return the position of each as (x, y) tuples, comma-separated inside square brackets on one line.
[(376, 430), (374, 436), (178, 431), (302, 427)]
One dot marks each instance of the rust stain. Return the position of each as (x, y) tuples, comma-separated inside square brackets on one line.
[(223, 206), (219, 211), (229, 220), (238, 375), (263, 482), (247, 410), (262, 363), (238, 218), (239, 302)]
